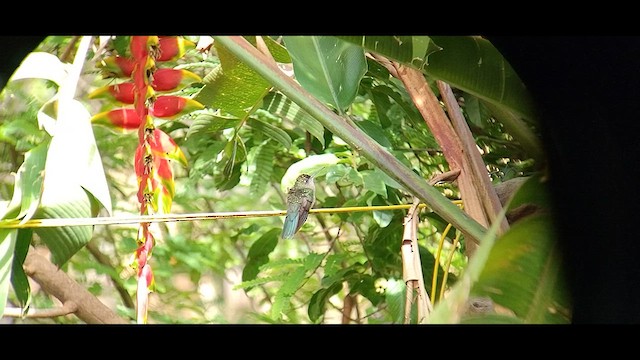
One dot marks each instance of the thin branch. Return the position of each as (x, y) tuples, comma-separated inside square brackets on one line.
[(67, 308)]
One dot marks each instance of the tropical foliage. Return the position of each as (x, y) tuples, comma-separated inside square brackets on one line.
[(95, 130)]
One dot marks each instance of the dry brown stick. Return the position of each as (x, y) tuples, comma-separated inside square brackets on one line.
[(57, 283), (484, 188), (412, 266)]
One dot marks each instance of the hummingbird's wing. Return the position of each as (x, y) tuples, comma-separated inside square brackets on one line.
[(291, 221), (305, 206), (297, 214)]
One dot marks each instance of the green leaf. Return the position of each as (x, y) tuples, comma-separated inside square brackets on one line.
[(536, 289), (281, 301), (533, 191), (264, 168), (7, 244), (277, 104), (30, 176), (18, 278), (279, 53), (469, 63), (259, 281), (327, 67), (64, 201), (271, 131), (318, 301), (364, 284), (395, 298), (312, 261), (375, 132), (387, 179), (259, 254), (233, 87), (207, 123), (373, 182)]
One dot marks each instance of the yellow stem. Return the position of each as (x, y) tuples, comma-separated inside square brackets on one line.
[(434, 280), (446, 268)]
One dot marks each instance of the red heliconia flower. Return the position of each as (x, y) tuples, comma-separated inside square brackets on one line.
[(125, 64), (170, 79), (172, 47), (122, 92), (141, 45), (117, 66), (122, 119), (170, 106), (163, 146)]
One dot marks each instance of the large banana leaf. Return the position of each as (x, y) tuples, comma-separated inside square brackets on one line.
[(327, 67)]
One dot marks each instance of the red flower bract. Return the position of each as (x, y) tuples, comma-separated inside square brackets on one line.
[(167, 106)]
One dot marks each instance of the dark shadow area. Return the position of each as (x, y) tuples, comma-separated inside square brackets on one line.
[(586, 89)]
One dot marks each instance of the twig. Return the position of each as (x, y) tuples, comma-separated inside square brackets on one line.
[(67, 308)]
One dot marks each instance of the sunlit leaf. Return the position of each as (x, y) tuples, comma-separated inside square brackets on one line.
[(41, 65), (233, 87), (30, 176), (74, 157), (313, 165), (279, 53)]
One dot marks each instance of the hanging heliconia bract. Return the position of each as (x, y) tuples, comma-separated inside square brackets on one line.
[(141, 101)]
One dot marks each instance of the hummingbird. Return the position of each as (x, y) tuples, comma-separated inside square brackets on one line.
[(300, 199)]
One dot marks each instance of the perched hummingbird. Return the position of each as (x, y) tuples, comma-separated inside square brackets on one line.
[(300, 199)]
